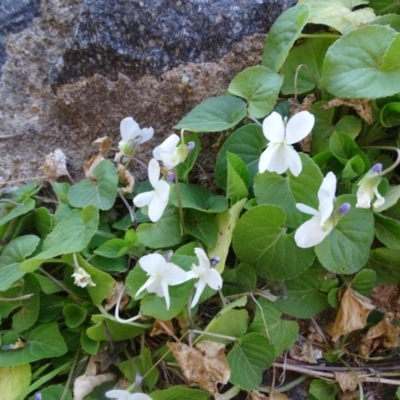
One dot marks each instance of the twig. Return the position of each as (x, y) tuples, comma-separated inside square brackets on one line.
[(331, 376), (24, 297)]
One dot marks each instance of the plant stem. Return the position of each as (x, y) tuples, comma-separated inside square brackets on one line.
[(284, 388), (232, 392), (179, 198), (71, 372), (62, 286), (131, 212), (254, 119), (390, 148), (319, 36)]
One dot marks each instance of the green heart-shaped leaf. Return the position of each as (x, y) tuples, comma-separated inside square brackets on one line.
[(260, 240), (100, 192)]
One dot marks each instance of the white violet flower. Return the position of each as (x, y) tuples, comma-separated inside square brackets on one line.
[(170, 153), (132, 136), (125, 395), (205, 275), (279, 154), (161, 275), (82, 278), (368, 188), (156, 199), (315, 230)]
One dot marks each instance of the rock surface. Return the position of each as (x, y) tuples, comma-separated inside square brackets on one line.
[(15, 15), (83, 65)]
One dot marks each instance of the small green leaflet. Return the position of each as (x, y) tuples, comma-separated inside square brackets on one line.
[(214, 115), (260, 87), (282, 35), (248, 359)]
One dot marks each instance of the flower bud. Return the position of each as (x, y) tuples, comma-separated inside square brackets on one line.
[(377, 168), (215, 260), (38, 396), (168, 255), (191, 146), (344, 208), (171, 176), (138, 380)]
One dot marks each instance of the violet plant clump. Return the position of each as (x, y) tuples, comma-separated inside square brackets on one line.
[(174, 286)]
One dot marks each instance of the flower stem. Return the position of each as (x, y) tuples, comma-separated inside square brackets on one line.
[(130, 158), (131, 212), (296, 76), (117, 317), (179, 198), (390, 148), (254, 119)]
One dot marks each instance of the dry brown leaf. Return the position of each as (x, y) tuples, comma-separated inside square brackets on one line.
[(346, 381), (126, 179), (104, 145), (352, 314), (112, 298), (306, 104), (305, 352), (355, 395), (162, 328), (206, 363), (384, 333), (362, 107), (103, 359), (295, 107), (89, 166), (278, 396), (55, 165), (85, 383), (256, 395)]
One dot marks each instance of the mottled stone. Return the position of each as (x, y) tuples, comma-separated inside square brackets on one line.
[(150, 37), (46, 103), (15, 15)]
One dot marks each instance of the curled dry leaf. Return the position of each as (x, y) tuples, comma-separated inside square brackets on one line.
[(55, 165), (89, 166), (256, 395), (206, 363), (346, 380), (85, 383), (104, 145), (306, 104), (352, 315), (384, 333), (305, 352), (162, 328), (126, 179), (362, 107)]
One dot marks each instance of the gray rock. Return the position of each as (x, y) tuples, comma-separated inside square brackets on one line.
[(83, 65), (136, 37), (15, 15)]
